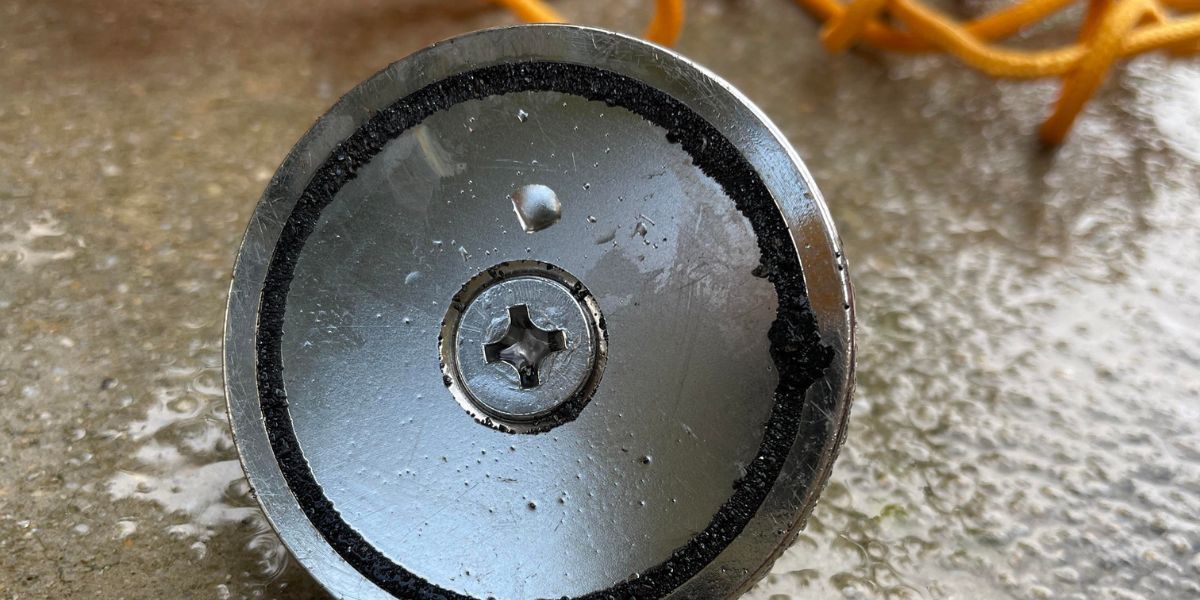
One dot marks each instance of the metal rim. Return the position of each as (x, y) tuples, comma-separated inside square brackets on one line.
[(825, 404)]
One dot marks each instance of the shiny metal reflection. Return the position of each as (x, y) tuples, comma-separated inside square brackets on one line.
[(659, 452)]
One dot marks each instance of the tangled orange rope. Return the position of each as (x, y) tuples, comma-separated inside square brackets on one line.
[(1111, 30)]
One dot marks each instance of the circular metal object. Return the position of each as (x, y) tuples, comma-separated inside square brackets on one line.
[(603, 253), (521, 346)]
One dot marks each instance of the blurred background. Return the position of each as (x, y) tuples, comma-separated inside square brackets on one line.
[(1027, 422)]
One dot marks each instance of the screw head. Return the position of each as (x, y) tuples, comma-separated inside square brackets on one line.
[(521, 346)]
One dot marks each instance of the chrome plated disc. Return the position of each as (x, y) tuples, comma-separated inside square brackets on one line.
[(540, 312)]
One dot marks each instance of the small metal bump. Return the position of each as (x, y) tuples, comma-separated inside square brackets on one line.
[(537, 207)]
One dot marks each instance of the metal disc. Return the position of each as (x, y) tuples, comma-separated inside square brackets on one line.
[(539, 312)]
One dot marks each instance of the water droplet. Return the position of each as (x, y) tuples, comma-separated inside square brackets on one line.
[(607, 236), (537, 207)]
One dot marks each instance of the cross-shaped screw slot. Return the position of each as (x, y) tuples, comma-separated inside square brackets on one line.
[(524, 346)]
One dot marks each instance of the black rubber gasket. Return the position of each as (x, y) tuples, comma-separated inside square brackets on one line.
[(795, 348)]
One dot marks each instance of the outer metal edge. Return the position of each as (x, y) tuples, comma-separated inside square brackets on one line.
[(785, 508), (827, 278)]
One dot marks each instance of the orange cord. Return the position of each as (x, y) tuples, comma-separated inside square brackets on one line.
[(1112, 30), (664, 27), (532, 11)]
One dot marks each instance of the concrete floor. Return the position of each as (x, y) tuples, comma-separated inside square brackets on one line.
[(1028, 415)]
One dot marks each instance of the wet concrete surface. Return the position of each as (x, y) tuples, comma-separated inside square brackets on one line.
[(1028, 413)]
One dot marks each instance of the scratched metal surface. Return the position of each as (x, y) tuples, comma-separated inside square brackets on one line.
[(1027, 422), (571, 510)]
